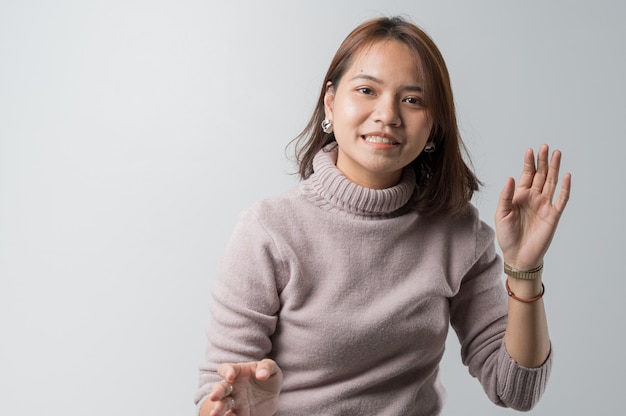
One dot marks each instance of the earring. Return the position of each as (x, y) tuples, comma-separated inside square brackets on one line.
[(430, 147), (327, 126)]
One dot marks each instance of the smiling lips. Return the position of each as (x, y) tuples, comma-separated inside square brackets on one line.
[(380, 138)]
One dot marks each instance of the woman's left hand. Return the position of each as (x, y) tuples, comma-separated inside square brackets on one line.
[(526, 218)]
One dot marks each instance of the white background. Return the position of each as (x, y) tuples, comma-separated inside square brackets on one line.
[(132, 133)]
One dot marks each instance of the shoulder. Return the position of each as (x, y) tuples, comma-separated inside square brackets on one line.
[(470, 220), (478, 231), (469, 246), (464, 232), (275, 207), (466, 222), (259, 227), (273, 215)]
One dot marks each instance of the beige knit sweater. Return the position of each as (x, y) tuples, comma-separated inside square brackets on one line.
[(352, 293)]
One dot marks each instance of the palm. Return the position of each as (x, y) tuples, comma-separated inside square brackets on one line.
[(254, 386), (255, 397), (526, 218)]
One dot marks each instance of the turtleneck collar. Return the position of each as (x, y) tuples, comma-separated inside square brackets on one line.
[(328, 188)]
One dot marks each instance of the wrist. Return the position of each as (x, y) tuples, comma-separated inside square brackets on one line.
[(523, 273), (525, 289)]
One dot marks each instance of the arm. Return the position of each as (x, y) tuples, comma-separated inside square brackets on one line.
[(244, 313), (526, 220)]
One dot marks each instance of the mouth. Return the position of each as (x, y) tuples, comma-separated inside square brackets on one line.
[(382, 139)]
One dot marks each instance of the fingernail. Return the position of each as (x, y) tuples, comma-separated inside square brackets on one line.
[(262, 373)]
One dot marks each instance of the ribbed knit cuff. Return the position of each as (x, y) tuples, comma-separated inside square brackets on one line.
[(520, 388)]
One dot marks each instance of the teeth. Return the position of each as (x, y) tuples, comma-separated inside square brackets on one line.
[(378, 139)]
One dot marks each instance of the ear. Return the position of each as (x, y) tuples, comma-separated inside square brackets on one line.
[(329, 100)]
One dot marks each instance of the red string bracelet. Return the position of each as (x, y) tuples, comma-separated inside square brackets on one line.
[(531, 300)]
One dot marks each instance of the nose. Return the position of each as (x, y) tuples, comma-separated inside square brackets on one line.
[(387, 111)]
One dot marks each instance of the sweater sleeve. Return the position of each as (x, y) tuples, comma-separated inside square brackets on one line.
[(244, 303), (479, 317)]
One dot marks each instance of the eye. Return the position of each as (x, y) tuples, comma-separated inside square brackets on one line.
[(365, 90), (414, 100)]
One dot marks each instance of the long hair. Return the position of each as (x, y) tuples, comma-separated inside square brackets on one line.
[(445, 181)]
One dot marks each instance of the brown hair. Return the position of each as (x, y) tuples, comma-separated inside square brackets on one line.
[(446, 183)]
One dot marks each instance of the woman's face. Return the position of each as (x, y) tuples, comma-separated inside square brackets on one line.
[(380, 122)]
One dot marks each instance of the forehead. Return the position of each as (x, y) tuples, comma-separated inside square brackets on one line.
[(389, 56)]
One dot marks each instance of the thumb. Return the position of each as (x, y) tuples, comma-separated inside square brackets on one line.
[(266, 368), (505, 203)]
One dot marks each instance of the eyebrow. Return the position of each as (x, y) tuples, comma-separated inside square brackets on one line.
[(416, 88)]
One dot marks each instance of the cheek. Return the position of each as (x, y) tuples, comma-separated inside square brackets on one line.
[(349, 111), (428, 129), (426, 125), (420, 128), (429, 124)]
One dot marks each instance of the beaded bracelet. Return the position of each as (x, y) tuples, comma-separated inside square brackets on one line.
[(531, 300)]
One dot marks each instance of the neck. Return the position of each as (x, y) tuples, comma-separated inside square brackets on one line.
[(367, 178)]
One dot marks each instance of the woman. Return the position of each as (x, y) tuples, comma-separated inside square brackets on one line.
[(335, 298)]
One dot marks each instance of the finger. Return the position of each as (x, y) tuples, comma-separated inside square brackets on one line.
[(224, 387), (564, 194), (221, 396), (220, 390), (230, 405), (227, 372), (220, 407), (542, 168), (553, 175), (266, 368), (224, 407), (505, 203), (528, 172), (230, 372)]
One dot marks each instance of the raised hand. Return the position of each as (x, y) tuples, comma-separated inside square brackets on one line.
[(526, 217), (252, 388)]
